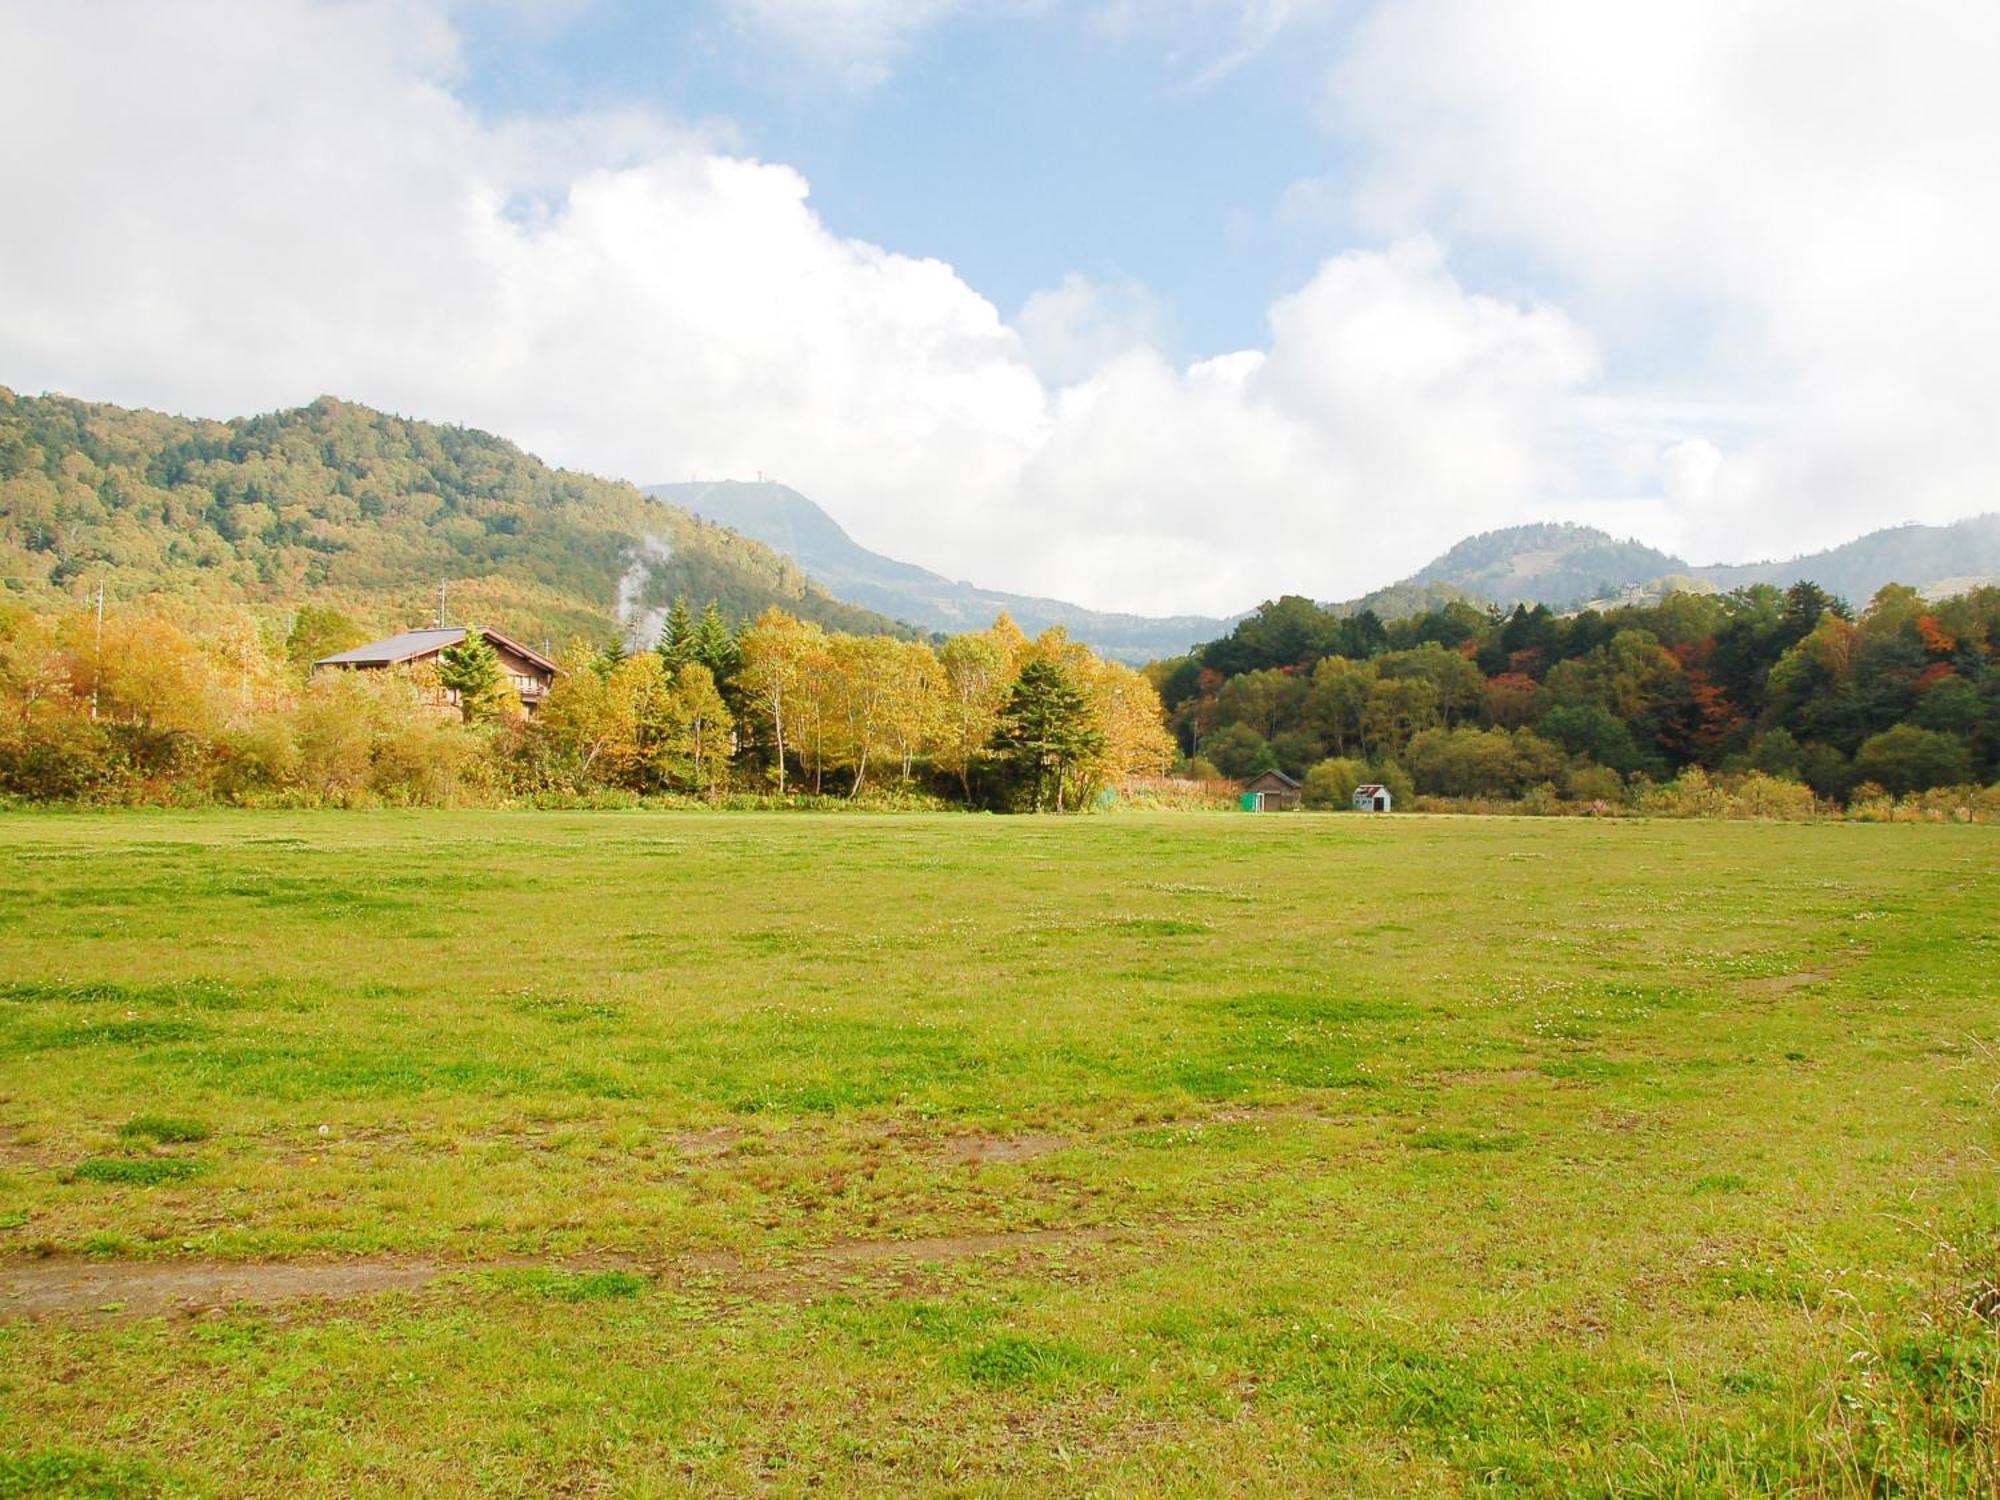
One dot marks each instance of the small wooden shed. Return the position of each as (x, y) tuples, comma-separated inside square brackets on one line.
[(1273, 791), (1372, 797)]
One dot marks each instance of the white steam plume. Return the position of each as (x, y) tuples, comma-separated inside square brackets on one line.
[(642, 625)]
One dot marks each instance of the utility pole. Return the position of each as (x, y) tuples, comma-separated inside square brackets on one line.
[(440, 604), (97, 656)]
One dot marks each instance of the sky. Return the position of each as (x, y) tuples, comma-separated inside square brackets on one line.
[(1153, 305)]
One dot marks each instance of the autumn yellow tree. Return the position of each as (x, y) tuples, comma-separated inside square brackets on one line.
[(777, 654), (819, 708), (34, 673), (916, 703), (144, 670), (1136, 742), (702, 726), (1009, 638), (639, 703), (977, 672), (575, 724), (336, 733)]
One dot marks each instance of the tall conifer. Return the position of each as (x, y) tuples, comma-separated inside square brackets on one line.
[(676, 646), (1045, 729)]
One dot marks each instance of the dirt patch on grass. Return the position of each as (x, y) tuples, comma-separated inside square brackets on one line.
[(945, 1248), (703, 1144), (977, 1149), (895, 1266), (143, 1289), (1254, 1114), (1477, 1076), (112, 1289), (18, 1152), (1782, 984)]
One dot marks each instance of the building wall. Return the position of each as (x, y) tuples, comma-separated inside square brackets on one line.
[(1269, 783), (529, 680)]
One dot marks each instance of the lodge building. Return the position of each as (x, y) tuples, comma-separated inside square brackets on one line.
[(527, 671)]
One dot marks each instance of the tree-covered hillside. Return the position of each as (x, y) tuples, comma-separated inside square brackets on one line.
[(1405, 601), (1566, 566), (1903, 696), (1937, 559), (341, 505), (1552, 563)]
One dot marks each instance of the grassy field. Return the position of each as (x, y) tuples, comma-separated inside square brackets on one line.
[(637, 1154)]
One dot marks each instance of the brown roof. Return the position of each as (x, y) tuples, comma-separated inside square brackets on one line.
[(520, 650), (410, 645), (1279, 776)]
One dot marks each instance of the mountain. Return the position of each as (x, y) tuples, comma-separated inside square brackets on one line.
[(1936, 559), (784, 519), (1407, 600), (1550, 563), (1562, 564), (337, 504)]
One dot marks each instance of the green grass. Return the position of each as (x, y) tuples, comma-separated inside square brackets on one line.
[(163, 1129), (573, 1286), (140, 1171), (1281, 1155)]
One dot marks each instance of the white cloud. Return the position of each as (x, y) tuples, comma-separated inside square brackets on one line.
[(1688, 471), (1800, 195), (1253, 26), (1392, 412), (1790, 201), (1071, 329), (323, 215), (858, 40), (1414, 380)]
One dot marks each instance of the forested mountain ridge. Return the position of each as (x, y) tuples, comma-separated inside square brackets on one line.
[(1558, 564), (1935, 559), (1405, 601), (338, 504), (1550, 563), (796, 526), (335, 503), (1561, 564)]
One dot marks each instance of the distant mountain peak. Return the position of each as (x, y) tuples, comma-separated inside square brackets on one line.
[(1928, 558), (786, 521), (1562, 563), (1547, 562)]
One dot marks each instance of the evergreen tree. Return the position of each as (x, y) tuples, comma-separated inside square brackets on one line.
[(714, 647), (471, 669), (1805, 603), (608, 658), (1046, 728), (676, 646)]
